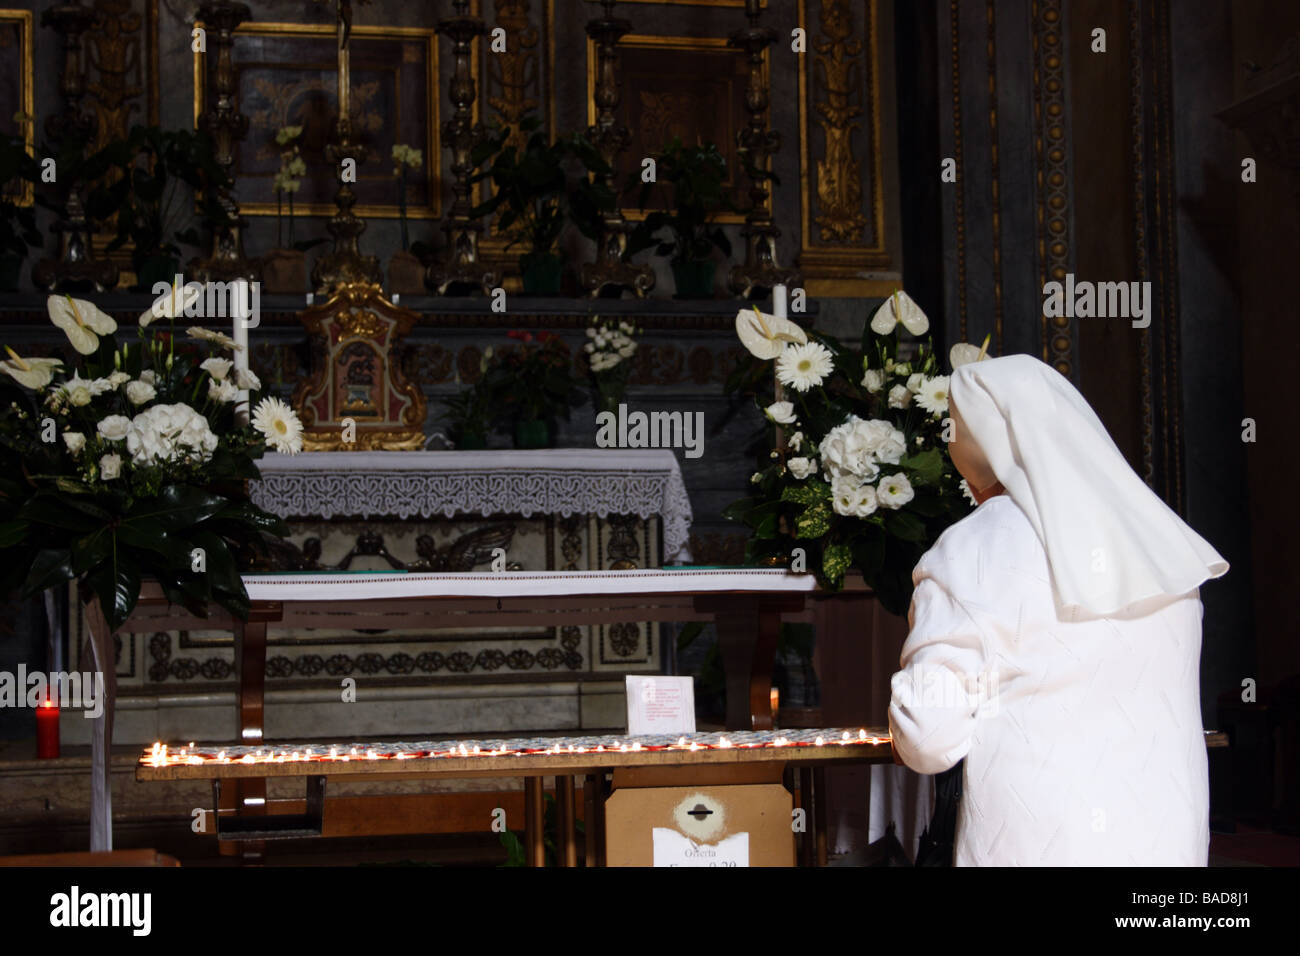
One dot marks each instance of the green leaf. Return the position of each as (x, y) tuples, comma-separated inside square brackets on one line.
[(929, 506), (814, 522), (807, 493), (13, 532), (52, 567), (926, 467), (47, 510), (904, 525), (738, 510), (835, 561), (869, 552), (180, 506), (117, 584), (92, 550)]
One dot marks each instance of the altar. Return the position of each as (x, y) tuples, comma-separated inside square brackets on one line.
[(546, 510)]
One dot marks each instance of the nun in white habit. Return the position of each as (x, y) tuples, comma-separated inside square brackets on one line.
[(1055, 640)]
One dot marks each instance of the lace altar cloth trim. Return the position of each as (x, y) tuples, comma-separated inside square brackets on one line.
[(365, 586), (559, 481)]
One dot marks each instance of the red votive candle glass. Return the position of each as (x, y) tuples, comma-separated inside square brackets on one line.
[(47, 730)]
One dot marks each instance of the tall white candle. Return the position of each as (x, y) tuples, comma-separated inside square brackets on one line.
[(780, 303), (241, 314)]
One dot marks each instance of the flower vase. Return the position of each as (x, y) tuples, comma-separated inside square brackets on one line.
[(608, 401), (406, 274), (284, 271)]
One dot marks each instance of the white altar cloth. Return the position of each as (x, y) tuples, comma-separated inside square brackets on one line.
[(563, 481), (365, 586)]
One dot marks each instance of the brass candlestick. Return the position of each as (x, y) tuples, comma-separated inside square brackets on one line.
[(756, 144), (75, 268), (461, 269), (611, 272), (227, 126), (344, 265)]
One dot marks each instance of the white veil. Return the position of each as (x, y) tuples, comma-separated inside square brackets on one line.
[(1110, 541)]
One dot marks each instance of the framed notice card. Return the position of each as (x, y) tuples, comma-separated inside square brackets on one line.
[(660, 705)]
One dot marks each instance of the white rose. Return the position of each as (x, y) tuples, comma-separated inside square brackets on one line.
[(245, 378), (118, 379), (137, 393), (99, 386), (914, 382), (894, 491), (110, 466), (114, 427), (899, 397), (802, 467), (844, 494), (781, 412), (864, 501), (873, 380), (75, 441), (223, 391), (795, 441), (218, 368), (79, 395), (147, 376)]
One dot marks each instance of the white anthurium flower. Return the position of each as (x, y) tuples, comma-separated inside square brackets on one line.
[(963, 353), (33, 373), (781, 412), (173, 303), (899, 307), (766, 336), (81, 321)]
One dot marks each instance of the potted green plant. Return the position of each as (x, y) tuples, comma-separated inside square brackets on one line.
[(284, 268), (469, 413), (529, 190), (18, 232), (531, 385), (696, 175), (159, 172)]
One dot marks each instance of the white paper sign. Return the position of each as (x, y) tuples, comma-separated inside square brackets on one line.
[(674, 849), (660, 705)]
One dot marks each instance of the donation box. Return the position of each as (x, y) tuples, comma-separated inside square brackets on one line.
[(699, 816)]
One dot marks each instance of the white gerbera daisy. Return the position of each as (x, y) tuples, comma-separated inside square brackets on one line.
[(933, 396), (280, 426), (804, 366), (207, 335), (894, 491)]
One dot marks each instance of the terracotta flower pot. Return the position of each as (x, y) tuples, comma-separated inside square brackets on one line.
[(406, 274), (284, 271)]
